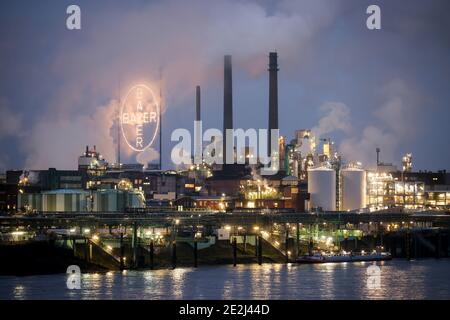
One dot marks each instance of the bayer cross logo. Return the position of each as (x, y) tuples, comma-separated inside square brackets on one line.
[(139, 118)]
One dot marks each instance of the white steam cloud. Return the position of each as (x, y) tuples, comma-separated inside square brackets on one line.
[(187, 41), (394, 124), (10, 121), (148, 155), (59, 144), (336, 118)]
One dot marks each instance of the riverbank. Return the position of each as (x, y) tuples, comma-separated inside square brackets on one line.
[(44, 257), (41, 258)]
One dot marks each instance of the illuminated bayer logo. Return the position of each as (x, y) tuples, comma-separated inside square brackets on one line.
[(139, 118)]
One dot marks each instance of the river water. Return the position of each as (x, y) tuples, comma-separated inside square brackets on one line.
[(399, 279)]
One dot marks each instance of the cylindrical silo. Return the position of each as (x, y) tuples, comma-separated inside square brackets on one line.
[(322, 188), (353, 183)]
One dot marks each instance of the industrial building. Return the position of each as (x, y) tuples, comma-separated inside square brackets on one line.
[(312, 177), (67, 200)]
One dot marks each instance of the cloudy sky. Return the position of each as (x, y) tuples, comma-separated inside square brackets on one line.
[(364, 89)]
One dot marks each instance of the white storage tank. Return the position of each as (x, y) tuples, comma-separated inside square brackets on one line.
[(322, 188), (353, 183)]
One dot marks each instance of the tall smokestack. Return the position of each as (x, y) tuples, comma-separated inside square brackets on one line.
[(197, 104), (198, 146), (227, 101), (273, 94), (378, 156)]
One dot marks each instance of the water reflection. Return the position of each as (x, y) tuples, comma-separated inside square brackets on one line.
[(177, 278), (426, 279)]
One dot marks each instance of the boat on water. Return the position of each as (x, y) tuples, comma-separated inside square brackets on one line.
[(320, 257)]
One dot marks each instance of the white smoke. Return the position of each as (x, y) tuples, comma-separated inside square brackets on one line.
[(10, 121), (4, 159), (10, 126), (59, 144), (32, 177), (187, 41), (336, 118), (395, 127), (390, 126), (148, 155)]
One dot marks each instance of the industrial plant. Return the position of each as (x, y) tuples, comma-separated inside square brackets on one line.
[(312, 177), (317, 207), (188, 154)]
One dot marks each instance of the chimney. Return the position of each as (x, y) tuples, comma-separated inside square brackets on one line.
[(273, 94), (198, 146), (378, 156), (197, 104), (227, 101)]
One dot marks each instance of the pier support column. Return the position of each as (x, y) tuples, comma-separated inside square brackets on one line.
[(151, 255), (174, 254), (256, 245), (286, 244), (408, 244), (90, 251), (134, 245), (373, 242), (86, 255), (415, 242), (298, 239), (195, 254), (122, 252), (393, 245), (438, 244), (234, 252), (259, 251)]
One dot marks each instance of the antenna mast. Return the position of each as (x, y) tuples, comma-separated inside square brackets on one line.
[(160, 118), (118, 128)]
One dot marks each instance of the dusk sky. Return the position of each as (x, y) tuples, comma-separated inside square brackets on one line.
[(387, 88)]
